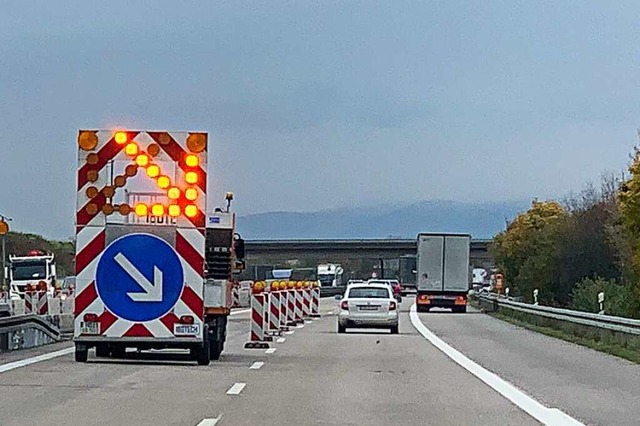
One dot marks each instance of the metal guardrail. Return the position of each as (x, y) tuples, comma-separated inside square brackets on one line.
[(19, 322), (27, 331), (618, 324)]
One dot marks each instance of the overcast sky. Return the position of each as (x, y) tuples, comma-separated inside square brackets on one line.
[(321, 104)]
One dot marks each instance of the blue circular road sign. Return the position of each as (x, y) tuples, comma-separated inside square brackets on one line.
[(139, 277)]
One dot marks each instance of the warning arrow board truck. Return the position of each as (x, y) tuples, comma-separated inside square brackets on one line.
[(140, 242)]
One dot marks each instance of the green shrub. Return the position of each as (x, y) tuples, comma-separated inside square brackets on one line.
[(619, 299)]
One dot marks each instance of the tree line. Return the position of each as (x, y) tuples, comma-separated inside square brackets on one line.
[(573, 249)]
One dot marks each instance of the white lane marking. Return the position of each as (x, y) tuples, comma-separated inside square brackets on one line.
[(281, 340), (270, 351), (210, 422), (236, 389), (290, 332), (241, 311), (547, 416), (28, 361), (256, 365)]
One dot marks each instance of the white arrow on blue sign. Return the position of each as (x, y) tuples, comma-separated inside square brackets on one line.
[(139, 277)]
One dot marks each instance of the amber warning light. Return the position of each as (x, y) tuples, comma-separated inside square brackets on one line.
[(145, 158)]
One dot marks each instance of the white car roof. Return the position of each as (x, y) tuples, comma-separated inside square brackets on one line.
[(366, 285)]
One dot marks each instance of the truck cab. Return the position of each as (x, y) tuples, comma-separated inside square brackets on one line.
[(330, 275), (35, 271), (224, 257)]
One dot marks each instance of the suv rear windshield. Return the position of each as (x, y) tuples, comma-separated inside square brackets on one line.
[(369, 293)]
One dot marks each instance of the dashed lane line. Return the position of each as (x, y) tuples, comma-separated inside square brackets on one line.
[(256, 365), (236, 389), (210, 422)]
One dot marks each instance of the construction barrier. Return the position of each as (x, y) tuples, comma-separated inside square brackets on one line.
[(277, 305), (306, 300), (282, 295), (258, 325), (291, 307), (36, 302), (31, 302), (315, 302), (274, 312), (298, 305)]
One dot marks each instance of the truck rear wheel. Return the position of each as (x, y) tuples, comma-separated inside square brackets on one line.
[(82, 353), (215, 349), (202, 354), (459, 309)]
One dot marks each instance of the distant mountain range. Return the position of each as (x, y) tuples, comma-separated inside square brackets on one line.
[(482, 220)]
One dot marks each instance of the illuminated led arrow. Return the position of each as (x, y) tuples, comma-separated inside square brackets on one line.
[(152, 292)]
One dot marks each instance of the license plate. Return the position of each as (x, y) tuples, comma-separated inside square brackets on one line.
[(368, 308), (186, 329), (89, 328)]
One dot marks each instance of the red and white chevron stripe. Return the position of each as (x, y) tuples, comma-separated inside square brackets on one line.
[(306, 302), (96, 170), (291, 307), (315, 302), (298, 305), (282, 295), (258, 320), (274, 312)]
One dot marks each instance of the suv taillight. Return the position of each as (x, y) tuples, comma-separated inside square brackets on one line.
[(344, 305), (392, 306)]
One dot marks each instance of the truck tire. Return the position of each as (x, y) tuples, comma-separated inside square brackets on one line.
[(459, 309), (215, 349), (202, 354), (394, 329), (342, 329), (81, 354)]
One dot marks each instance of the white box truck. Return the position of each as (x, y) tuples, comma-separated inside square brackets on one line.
[(443, 271)]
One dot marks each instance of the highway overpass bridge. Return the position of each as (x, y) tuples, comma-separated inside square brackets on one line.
[(283, 251)]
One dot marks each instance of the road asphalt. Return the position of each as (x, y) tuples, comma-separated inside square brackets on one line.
[(317, 377)]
